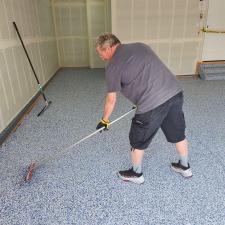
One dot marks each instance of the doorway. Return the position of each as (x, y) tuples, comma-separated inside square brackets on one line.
[(214, 32)]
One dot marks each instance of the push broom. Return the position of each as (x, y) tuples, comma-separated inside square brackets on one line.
[(47, 103), (34, 165)]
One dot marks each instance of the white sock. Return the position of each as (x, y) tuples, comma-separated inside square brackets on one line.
[(137, 168), (184, 160)]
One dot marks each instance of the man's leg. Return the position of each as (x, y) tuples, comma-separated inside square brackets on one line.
[(173, 126), (135, 173), (182, 149), (143, 129), (136, 158), (182, 166)]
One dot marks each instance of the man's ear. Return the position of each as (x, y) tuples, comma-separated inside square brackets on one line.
[(113, 49)]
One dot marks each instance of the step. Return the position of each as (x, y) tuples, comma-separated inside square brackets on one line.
[(212, 71)]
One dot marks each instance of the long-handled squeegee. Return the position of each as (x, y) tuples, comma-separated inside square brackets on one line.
[(47, 103), (34, 165)]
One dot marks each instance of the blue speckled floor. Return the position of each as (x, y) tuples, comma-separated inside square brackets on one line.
[(81, 187)]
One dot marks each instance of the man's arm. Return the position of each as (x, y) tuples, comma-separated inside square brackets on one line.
[(110, 102)]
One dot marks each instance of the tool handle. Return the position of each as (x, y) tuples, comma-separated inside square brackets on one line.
[(101, 129), (83, 139), (25, 50), (29, 60)]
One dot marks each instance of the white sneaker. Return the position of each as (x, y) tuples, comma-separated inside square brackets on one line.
[(183, 170), (130, 175)]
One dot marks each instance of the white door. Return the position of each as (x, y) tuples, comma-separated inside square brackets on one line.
[(214, 39)]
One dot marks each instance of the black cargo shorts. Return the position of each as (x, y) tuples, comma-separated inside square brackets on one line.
[(168, 116)]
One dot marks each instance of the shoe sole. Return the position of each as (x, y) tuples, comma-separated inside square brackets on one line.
[(139, 180), (186, 174)]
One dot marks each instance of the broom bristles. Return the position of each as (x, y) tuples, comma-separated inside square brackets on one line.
[(30, 171)]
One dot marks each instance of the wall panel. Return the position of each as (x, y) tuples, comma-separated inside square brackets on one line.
[(70, 19), (167, 25)]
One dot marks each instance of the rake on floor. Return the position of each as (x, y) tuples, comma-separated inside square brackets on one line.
[(47, 103), (34, 165)]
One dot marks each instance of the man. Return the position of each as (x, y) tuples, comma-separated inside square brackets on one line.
[(136, 71)]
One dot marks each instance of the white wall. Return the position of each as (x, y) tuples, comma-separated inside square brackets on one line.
[(77, 24), (17, 83), (170, 27), (71, 32), (99, 21)]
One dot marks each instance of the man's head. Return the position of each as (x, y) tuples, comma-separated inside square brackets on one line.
[(106, 45)]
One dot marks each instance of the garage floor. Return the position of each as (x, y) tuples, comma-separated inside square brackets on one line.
[(81, 187)]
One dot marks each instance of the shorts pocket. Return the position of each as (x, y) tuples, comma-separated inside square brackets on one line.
[(138, 131)]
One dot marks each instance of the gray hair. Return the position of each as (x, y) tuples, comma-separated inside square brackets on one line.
[(107, 39)]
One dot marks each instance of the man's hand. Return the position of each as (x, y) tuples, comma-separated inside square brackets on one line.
[(103, 123)]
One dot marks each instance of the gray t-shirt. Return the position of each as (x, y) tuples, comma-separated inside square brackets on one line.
[(137, 72)]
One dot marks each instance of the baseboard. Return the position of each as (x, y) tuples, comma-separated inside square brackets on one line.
[(187, 77)]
